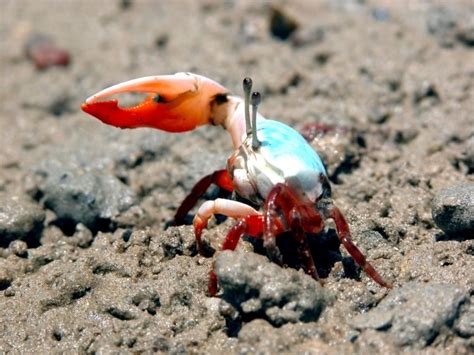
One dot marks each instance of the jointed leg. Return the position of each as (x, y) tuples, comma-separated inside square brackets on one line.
[(344, 235), (222, 206), (251, 225), (219, 177), (300, 216), (303, 247)]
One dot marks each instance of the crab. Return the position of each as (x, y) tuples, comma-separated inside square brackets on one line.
[(279, 179)]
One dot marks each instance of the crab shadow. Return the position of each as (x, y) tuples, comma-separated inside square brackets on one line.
[(324, 247)]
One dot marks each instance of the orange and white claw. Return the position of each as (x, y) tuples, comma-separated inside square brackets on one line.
[(176, 103)]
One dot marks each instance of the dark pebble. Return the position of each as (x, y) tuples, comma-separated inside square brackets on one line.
[(20, 218), (125, 4), (453, 210), (465, 34), (162, 40), (60, 105), (425, 91), (281, 25)]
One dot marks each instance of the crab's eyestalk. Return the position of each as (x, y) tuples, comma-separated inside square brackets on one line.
[(256, 98), (247, 84), (176, 103)]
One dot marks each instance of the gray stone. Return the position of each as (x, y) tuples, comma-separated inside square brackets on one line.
[(465, 324), (441, 23), (453, 210), (415, 313), (90, 198), (20, 218), (451, 26), (260, 289)]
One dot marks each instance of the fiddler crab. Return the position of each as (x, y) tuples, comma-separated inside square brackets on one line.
[(272, 166)]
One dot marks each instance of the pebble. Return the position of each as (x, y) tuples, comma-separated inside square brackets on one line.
[(258, 288), (44, 53), (453, 210), (441, 23), (281, 24), (468, 156), (378, 114), (20, 218), (415, 313), (90, 198), (451, 27)]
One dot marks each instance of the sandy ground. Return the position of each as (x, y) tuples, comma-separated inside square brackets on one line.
[(86, 261)]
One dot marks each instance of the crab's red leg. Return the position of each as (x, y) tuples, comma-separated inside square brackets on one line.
[(300, 216), (270, 213), (303, 246), (344, 235), (250, 221), (219, 177), (222, 206), (251, 225), (177, 103)]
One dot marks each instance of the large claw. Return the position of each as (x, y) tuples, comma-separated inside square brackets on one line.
[(177, 103)]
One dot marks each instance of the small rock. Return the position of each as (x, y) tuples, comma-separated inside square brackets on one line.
[(425, 91), (20, 218), (405, 135), (281, 25), (453, 210), (465, 324), (18, 248), (322, 57), (82, 237), (261, 289), (378, 114), (44, 53), (415, 313), (465, 34), (450, 26), (60, 105), (90, 198), (441, 23), (162, 40), (380, 14), (177, 241), (125, 4), (306, 36), (468, 156), (6, 278)]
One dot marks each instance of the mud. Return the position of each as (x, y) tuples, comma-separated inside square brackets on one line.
[(87, 263)]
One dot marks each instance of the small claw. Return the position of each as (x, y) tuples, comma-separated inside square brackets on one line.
[(177, 103)]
